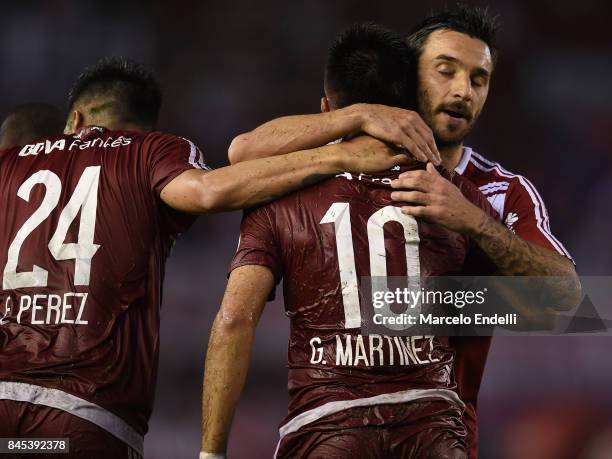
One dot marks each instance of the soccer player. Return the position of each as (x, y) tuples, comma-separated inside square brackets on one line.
[(351, 395), (456, 56), (89, 218), (29, 122)]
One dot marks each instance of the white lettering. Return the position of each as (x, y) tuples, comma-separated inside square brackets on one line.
[(23, 307)]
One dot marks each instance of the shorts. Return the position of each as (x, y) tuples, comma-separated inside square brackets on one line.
[(429, 429), (24, 420)]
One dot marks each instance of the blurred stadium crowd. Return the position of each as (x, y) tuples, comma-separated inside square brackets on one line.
[(227, 66)]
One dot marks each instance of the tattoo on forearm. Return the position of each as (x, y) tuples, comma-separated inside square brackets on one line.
[(514, 256)]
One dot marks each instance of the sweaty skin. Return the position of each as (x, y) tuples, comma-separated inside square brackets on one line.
[(229, 351), (454, 78), (396, 126), (258, 181)]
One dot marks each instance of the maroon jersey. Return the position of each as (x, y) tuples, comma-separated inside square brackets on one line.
[(521, 208), (322, 240), (83, 244)]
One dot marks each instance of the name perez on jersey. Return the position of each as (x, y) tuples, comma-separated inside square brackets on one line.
[(50, 309), (375, 350)]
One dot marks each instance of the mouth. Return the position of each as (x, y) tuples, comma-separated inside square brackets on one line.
[(455, 114)]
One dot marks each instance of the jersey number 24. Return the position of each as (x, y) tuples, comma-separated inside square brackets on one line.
[(83, 199)]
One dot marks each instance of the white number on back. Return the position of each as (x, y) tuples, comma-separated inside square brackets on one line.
[(339, 215), (85, 199)]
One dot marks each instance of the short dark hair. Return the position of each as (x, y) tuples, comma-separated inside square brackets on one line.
[(473, 21), (369, 63), (29, 122), (134, 90)]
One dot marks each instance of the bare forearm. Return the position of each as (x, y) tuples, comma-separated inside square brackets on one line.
[(262, 180), (227, 363), (294, 133), (515, 256)]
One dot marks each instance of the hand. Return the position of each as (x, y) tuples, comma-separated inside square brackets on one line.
[(367, 154), (435, 199), (404, 128)]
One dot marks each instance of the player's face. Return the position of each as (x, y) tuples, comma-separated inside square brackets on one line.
[(453, 83)]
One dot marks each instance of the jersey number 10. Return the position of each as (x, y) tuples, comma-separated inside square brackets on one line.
[(339, 215), (85, 200)]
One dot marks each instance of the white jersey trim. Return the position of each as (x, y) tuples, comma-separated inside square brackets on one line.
[(464, 161), (494, 187), (333, 407), (541, 215), (55, 398), (195, 156)]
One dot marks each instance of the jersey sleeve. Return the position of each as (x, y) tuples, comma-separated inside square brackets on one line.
[(258, 243), (525, 214), (168, 156)]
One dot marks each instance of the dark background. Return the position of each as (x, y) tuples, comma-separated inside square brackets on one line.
[(227, 66)]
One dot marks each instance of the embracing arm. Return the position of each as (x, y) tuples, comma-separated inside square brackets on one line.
[(435, 199), (293, 133), (299, 132), (515, 256), (229, 350), (259, 181)]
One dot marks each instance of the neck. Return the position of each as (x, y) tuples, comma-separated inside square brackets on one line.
[(111, 123), (121, 126), (451, 155)]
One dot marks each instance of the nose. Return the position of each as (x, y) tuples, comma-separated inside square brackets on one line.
[(462, 87)]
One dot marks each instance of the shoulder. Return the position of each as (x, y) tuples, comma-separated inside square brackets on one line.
[(162, 143), (492, 178)]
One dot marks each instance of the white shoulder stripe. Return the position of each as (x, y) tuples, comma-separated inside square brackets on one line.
[(540, 212), (195, 156)]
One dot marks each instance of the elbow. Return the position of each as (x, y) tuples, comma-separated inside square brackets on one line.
[(237, 151), (571, 294), (211, 195), (574, 293), (231, 324)]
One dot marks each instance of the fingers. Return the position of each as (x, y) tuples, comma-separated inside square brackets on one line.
[(405, 128), (430, 143), (414, 180), (414, 197), (421, 212), (410, 183), (415, 150), (421, 135), (432, 170)]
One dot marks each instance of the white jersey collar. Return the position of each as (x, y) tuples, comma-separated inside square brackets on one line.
[(465, 159)]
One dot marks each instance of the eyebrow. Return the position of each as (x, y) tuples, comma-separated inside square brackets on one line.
[(446, 57)]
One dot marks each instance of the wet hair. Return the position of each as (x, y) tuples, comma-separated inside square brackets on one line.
[(469, 20), (369, 63), (127, 91), (29, 122)]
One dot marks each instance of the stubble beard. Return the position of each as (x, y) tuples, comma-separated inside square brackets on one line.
[(426, 110)]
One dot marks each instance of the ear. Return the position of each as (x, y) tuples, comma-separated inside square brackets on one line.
[(74, 122), (325, 104)]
